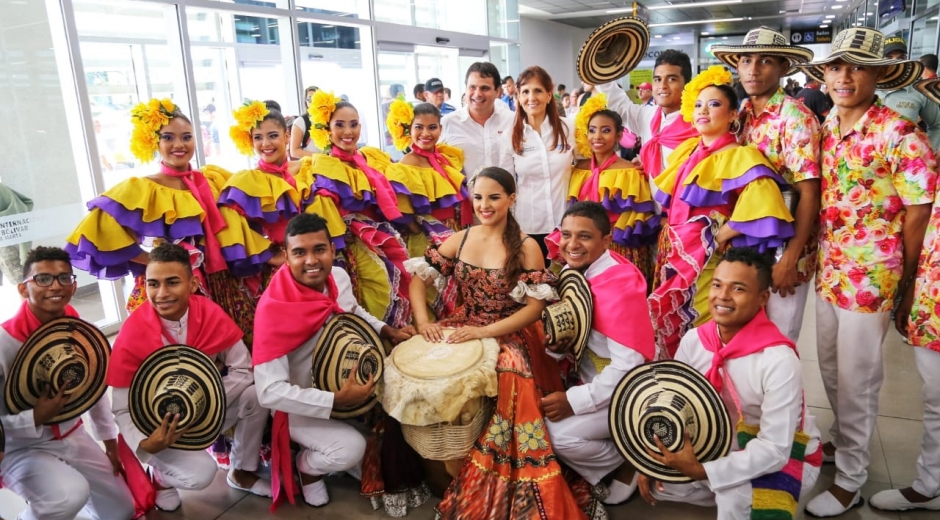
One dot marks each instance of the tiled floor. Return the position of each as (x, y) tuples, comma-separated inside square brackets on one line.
[(894, 449)]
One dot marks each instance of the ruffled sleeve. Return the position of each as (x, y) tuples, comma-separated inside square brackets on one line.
[(439, 262), (761, 216), (348, 186), (217, 178), (625, 194), (666, 181), (260, 196), (536, 284), (322, 204), (245, 250)]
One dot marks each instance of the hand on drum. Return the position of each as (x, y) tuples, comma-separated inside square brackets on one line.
[(431, 332), (467, 333), (396, 336), (352, 393), (556, 407)]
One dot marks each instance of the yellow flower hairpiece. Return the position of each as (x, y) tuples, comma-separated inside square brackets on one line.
[(246, 117), (321, 110), (398, 122), (148, 118), (714, 75), (594, 104)]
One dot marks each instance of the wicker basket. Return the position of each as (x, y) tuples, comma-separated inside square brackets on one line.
[(445, 441)]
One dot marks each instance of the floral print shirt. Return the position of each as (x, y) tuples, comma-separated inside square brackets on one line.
[(869, 175), (788, 135)]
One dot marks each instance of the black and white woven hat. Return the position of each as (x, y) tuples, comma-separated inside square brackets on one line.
[(613, 50), (569, 320), (763, 40), (866, 46), (347, 341)]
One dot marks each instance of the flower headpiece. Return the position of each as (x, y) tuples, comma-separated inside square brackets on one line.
[(593, 105), (400, 116), (246, 117), (714, 75), (148, 118), (321, 110)]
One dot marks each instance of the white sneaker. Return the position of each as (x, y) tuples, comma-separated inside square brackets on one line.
[(826, 504), (893, 500), (620, 492), (315, 494), (167, 499)]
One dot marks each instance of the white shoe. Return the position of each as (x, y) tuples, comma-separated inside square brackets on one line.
[(826, 504), (261, 487), (167, 499), (893, 500), (619, 492), (315, 495)]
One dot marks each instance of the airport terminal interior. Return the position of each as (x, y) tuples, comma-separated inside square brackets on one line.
[(71, 70)]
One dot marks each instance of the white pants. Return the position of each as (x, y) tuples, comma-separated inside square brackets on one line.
[(330, 445), (734, 503), (787, 313), (249, 419), (60, 478), (928, 464), (583, 442), (182, 469), (848, 345)]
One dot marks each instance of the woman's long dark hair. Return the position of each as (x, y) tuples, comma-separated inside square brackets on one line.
[(559, 136), (512, 235)]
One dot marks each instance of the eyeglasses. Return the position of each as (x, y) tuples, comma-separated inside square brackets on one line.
[(46, 279)]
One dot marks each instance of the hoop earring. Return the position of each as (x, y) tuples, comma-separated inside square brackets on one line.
[(735, 126)]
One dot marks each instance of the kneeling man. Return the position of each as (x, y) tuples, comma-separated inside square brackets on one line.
[(302, 296), (621, 338), (757, 371), (173, 314)]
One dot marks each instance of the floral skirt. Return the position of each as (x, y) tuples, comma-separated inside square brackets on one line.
[(511, 471)]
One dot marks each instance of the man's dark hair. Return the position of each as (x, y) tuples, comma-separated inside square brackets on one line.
[(561, 87), (418, 91), (592, 210), (507, 79), (930, 62), (677, 59), (484, 69), (169, 253), (44, 254), (755, 259), (305, 223)]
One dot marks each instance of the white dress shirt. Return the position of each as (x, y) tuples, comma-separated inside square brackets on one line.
[(480, 143), (597, 389), (542, 175), (21, 430), (769, 384), (236, 359), (285, 383)]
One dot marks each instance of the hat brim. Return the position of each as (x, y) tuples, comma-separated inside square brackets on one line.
[(347, 341), (930, 88), (24, 387), (900, 73), (730, 55), (613, 50), (633, 436), (184, 363), (574, 288)]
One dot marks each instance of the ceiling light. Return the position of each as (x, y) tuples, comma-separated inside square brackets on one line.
[(830, 16), (837, 7), (823, 25), (724, 37), (690, 4), (869, 14), (657, 36), (676, 38), (618, 11), (696, 22), (705, 33)]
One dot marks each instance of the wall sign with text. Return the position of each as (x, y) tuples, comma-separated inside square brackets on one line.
[(810, 36)]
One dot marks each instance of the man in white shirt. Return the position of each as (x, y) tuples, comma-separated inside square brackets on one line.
[(174, 315), (302, 296), (756, 370), (58, 469), (621, 339), (476, 127)]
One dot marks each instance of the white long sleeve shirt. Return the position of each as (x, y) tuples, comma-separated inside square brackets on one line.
[(236, 359), (480, 143), (21, 430), (542, 175), (285, 383), (770, 387), (597, 389)]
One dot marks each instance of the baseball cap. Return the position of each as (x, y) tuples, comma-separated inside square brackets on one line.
[(895, 43), (645, 86), (433, 85)]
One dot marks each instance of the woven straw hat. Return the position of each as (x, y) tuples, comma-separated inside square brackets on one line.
[(569, 320), (346, 341), (866, 46), (613, 50), (177, 379), (763, 40), (667, 399), (930, 88), (66, 352)]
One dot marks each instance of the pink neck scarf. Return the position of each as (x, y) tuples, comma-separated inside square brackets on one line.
[(590, 190), (384, 193), (681, 212), (281, 170), (197, 184), (651, 154), (438, 161), (24, 323)]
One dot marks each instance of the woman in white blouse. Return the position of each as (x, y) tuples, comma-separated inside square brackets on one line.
[(539, 153)]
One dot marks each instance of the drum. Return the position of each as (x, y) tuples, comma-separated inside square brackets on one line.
[(440, 393)]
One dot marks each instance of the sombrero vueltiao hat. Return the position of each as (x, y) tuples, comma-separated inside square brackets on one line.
[(346, 341), (177, 379), (866, 46), (569, 320), (667, 399), (930, 88), (763, 40), (66, 352), (613, 50)]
